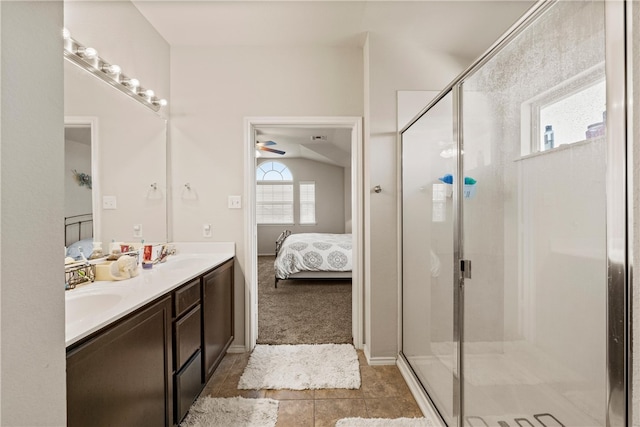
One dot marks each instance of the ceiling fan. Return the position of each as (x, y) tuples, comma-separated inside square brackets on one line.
[(264, 146)]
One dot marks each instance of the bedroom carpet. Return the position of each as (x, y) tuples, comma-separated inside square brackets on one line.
[(301, 367), (302, 311)]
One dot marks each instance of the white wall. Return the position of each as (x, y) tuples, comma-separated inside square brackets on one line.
[(420, 70), (77, 156), (330, 202), (32, 350), (212, 91)]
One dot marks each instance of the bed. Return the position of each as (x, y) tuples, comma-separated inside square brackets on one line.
[(313, 256), (78, 233)]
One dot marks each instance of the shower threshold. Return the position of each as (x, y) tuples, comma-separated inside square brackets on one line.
[(477, 421)]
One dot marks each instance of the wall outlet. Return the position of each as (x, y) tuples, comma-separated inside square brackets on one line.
[(206, 230), (108, 202), (235, 202), (137, 230)]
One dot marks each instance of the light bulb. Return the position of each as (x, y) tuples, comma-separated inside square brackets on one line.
[(111, 69), (163, 102), (87, 52), (66, 34), (132, 83), (90, 53), (149, 93)]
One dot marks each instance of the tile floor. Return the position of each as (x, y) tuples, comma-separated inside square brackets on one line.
[(383, 394)]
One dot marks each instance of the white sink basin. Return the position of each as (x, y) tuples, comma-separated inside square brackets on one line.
[(186, 262), (81, 306)]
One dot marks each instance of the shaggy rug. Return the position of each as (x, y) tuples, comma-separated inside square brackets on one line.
[(302, 311), (384, 422), (232, 412), (301, 367)]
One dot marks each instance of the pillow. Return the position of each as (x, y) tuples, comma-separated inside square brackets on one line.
[(74, 249)]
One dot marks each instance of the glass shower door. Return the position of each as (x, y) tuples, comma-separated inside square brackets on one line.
[(534, 226), (428, 292)]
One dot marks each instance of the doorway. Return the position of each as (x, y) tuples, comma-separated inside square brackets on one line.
[(256, 128)]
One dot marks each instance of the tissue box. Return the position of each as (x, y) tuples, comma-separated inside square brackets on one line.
[(103, 271)]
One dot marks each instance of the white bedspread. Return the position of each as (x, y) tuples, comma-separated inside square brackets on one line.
[(314, 252)]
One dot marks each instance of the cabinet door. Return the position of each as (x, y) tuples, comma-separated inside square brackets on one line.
[(122, 376), (217, 308)]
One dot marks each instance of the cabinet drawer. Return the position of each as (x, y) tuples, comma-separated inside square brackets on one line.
[(188, 384), (186, 297), (187, 336)]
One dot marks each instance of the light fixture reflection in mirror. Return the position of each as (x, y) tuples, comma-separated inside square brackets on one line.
[(88, 59)]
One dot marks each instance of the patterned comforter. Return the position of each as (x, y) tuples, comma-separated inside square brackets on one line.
[(314, 252)]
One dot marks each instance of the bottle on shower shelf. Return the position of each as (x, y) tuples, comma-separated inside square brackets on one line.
[(548, 137)]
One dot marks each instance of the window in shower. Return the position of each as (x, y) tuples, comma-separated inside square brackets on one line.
[(573, 111)]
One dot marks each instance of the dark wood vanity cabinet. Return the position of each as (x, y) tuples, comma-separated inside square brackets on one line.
[(148, 368), (122, 376), (187, 347), (217, 316)]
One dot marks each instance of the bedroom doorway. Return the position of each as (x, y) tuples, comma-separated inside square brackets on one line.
[(323, 149)]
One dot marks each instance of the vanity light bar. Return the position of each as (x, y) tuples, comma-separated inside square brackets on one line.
[(88, 59)]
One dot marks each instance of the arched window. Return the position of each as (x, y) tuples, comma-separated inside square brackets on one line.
[(273, 171), (274, 194)]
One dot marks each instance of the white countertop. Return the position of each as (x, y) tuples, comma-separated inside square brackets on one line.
[(96, 305)]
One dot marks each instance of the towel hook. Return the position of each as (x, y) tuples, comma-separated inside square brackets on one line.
[(377, 189)]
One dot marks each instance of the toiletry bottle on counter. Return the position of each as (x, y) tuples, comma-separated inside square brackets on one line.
[(548, 137), (97, 251)]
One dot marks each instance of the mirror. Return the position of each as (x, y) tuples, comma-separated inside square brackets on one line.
[(126, 144)]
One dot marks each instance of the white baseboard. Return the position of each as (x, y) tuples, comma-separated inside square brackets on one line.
[(269, 254), (377, 361), (423, 401), (236, 349)]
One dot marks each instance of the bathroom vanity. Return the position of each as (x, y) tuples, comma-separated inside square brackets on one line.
[(140, 351)]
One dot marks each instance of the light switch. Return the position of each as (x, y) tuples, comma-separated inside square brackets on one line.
[(235, 202), (137, 230), (206, 230), (108, 202)]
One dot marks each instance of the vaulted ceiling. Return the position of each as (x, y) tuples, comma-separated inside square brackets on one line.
[(461, 28)]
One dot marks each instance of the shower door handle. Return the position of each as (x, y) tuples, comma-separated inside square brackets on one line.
[(465, 268)]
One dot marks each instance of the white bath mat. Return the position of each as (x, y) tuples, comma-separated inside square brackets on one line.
[(384, 422), (302, 367), (232, 412)]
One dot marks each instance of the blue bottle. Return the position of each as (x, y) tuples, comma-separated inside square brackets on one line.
[(548, 137)]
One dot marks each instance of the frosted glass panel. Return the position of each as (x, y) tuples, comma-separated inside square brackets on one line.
[(428, 165), (535, 308)]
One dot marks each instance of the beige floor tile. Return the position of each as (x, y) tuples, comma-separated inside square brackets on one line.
[(362, 359), (338, 393), (295, 413), (382, 381), (384, 394), (233, 392), (329, 411), (290, 394), (392, 408)]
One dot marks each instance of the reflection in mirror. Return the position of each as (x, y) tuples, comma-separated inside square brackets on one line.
[(78, 221), (128, 162)]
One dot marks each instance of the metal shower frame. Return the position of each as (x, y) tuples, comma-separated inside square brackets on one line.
[(619, 209)]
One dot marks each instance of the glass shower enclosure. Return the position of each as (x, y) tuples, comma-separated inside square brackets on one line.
[(507, 210)]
